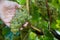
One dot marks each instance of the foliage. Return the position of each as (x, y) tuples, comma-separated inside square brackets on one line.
[(36, 13)]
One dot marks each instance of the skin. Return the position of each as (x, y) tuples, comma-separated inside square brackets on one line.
[(8, 10)]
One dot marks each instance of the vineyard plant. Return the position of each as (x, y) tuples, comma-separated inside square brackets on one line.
[(35, 20)]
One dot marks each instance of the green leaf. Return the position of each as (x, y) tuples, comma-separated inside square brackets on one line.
[(22, 2), (32, 36), (5, 30)]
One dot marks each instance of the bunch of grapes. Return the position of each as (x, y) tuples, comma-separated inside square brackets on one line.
[(20, 18)]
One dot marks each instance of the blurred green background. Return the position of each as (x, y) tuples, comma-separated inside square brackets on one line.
[(42, 15)]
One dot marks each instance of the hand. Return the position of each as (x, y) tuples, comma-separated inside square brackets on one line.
[(7, 11)]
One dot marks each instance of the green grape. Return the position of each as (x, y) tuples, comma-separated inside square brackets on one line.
[(14, 30)]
